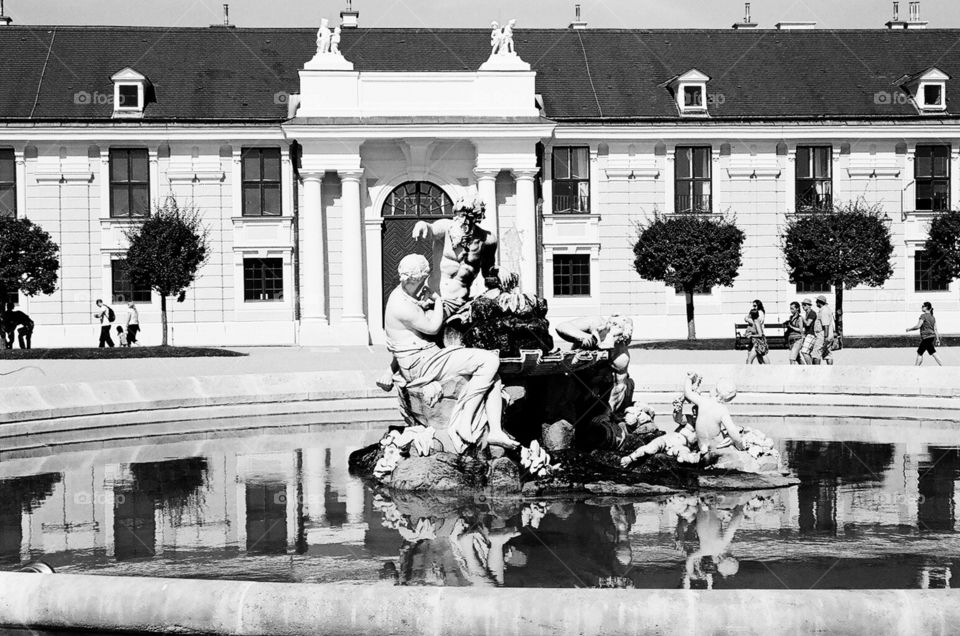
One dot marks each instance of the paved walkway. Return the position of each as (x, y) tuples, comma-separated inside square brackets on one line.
[(294, 359)]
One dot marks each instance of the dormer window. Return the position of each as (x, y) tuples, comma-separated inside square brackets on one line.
[(928, 89), (693, 97), (690, 90), (129, 93), (932, 96)]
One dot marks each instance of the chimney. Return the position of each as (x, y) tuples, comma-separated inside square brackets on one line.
[(795, 26), (226, 19), (747, 23), (577, 22), (5, 20), (349, 19), (913, 20)]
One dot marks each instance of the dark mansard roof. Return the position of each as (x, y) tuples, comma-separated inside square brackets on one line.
[(604, 75)]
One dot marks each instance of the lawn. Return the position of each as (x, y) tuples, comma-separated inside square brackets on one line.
[(92, 353)]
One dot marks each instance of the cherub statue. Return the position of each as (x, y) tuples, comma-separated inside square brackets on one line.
[(496, 37), (323, 37), (506, 39), (335, 41)]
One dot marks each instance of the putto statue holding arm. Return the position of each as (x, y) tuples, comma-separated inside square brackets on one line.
[(323, 37)]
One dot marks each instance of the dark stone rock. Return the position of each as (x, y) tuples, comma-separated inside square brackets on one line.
[(504, 476), (643, 490), (557, 436), (746, 481), (440, 472)]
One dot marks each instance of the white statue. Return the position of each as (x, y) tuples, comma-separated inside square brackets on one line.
[(323, 37), (496, 37), (506, 39), (335, 42)]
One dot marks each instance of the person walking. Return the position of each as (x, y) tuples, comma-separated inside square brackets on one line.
[(828, 324), (793, 328), (929, 335), (809, 342), (106, 317), (758, 339), (133, 324)]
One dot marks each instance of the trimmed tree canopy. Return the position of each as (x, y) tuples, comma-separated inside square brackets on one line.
[(166, 252), (28, 258), (943, 245), (689, 252), (846, 246)]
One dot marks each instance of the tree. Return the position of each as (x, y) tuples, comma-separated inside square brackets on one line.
[(166, 252), (28, 258), (847, 245), (943, 245), (690, 252)]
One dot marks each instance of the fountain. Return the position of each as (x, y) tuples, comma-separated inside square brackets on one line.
[(489, 404)]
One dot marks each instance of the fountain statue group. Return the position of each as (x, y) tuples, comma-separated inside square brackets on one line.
[(487, 401)]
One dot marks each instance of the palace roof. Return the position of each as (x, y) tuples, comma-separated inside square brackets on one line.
[(605, 75)]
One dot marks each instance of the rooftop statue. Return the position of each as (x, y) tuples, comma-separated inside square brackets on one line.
[(328, 56), (503, 55)]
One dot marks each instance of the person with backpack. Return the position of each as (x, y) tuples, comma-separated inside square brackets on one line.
[(106, 316)]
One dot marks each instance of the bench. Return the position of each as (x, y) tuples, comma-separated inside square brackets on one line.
[(776, 335)]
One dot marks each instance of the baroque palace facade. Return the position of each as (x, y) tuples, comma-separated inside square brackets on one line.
[(310, 168)]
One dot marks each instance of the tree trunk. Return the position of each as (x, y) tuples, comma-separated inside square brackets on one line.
[(163, 317), (691, 327)]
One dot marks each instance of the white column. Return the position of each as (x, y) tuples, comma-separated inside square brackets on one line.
[(236, 181), (312, 301), (547, 180), (21, 178), (669, 175), (790, 179), (527, 228), (152, 159), (104, 178), (487, 189), (352, 246), (594, 180), (955, 177)]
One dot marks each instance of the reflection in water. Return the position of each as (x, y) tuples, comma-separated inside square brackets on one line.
[(283, 508)]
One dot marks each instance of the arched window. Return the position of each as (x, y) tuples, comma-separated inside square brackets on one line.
[(417, 199)]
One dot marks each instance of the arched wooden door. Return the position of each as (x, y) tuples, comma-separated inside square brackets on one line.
[(405, 205)]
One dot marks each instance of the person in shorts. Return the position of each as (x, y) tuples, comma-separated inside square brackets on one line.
[(929, 335), (825, 318), (809, 319)]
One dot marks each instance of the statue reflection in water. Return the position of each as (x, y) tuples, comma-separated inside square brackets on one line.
[(715, 519), (561, 542)]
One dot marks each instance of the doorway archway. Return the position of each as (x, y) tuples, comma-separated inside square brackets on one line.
[(406, 204)]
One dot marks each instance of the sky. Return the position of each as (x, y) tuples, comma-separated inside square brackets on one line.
[(838, 14)]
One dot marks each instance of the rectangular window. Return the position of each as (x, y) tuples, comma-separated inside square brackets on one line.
[(816, 287), (129, 183), (263, 279), (932, 175), (814, 178), (261, 181), (124, 291), (923, 278), (8, 183), (571, 274), (571, 180), (693, 180)]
